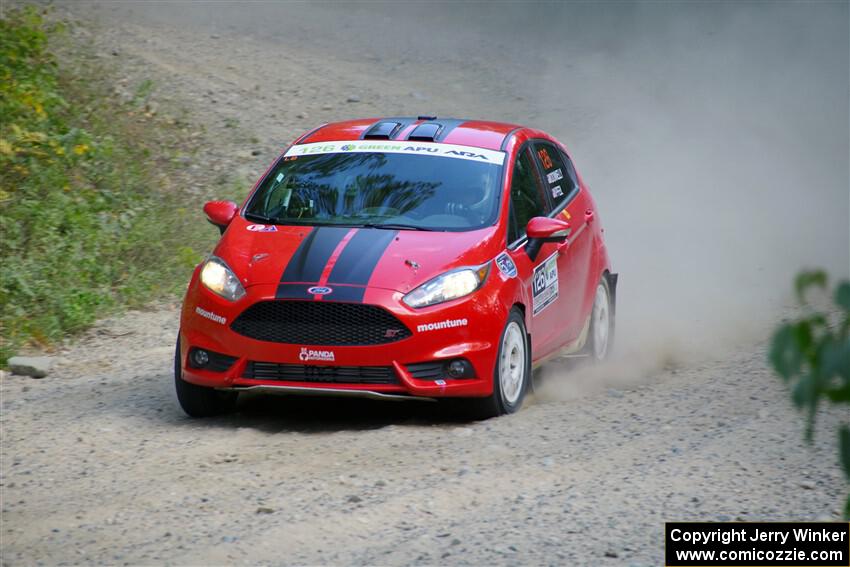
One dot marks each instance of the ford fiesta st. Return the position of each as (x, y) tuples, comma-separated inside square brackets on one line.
[(399, 258)]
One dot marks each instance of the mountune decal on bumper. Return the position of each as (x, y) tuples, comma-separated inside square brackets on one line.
[(211, 316), (447, 324)]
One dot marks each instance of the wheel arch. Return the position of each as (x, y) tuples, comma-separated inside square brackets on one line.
[(612, 279), (522, 309)]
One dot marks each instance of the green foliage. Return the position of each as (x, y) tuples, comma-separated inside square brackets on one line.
[(85, 225), (143, 91), (812, 355)]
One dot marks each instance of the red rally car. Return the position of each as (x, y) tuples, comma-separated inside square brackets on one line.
[(399, 258)]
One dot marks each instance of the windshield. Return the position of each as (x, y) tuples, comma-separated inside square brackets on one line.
[(389, 189)]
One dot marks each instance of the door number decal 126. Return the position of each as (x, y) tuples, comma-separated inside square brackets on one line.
[(544, 284)]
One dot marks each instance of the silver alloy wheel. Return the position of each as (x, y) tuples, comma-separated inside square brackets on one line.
[(601, 322), (512, 364)]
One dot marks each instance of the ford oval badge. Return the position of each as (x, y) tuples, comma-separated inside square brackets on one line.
[(319, 290)]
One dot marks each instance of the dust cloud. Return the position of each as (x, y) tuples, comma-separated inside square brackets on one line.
[(715, 138), (717, 147)]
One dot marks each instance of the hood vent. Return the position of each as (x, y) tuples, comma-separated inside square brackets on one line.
[(382, 131), (427, 132)]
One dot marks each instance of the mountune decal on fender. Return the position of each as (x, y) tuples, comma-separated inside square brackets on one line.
[(307, 355), (211, 316), (439, 325)]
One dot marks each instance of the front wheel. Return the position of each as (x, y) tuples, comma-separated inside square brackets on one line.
[(198, 401), (512, 374)]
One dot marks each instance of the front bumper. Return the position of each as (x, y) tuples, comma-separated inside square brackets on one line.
[(206, 324)]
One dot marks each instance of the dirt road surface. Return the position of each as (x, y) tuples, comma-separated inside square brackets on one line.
[(99, 465)]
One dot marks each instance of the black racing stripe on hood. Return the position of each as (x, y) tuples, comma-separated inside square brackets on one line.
[(311, 257), (360, 256), (448, 124), (347, 293), (293, 291)]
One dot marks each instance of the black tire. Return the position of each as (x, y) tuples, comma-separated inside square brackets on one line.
[(595, 351), (198, 401), (498, 403)]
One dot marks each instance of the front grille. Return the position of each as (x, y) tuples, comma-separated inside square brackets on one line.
[(326, 374), (319, 323)]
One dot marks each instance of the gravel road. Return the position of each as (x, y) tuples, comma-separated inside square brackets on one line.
[(99, 465)]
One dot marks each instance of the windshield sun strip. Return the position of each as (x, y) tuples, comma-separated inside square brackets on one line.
[(471, 153)]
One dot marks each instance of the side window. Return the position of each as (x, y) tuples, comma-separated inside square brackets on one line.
[(571, 169), (526, 198), (560, 176)]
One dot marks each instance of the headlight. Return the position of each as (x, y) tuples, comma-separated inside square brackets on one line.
[(448, 286), (220, 279)]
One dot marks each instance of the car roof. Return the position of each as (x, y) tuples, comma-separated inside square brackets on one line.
[(476, 133)]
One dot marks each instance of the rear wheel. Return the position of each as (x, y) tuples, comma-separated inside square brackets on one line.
[(199, 401), (512, 374), (601, 332)]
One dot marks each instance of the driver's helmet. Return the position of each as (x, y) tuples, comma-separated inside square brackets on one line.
[(465, 199)]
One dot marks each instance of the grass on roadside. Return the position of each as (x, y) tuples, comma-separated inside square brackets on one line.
[(89, 220)]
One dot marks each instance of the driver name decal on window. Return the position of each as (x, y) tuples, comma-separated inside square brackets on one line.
[(424, 148), (544, 284), (554, 176)]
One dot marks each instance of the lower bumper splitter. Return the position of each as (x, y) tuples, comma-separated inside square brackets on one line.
[(337, 392)]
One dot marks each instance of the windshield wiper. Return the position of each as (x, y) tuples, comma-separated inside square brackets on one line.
[(261, 218), (394, 226), (387, 226)]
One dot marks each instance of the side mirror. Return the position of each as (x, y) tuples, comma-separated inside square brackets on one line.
[(544, 229), (220, 213)]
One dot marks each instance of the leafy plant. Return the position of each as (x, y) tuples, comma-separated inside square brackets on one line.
[(91, 218), (143, 92), (812, 355)]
